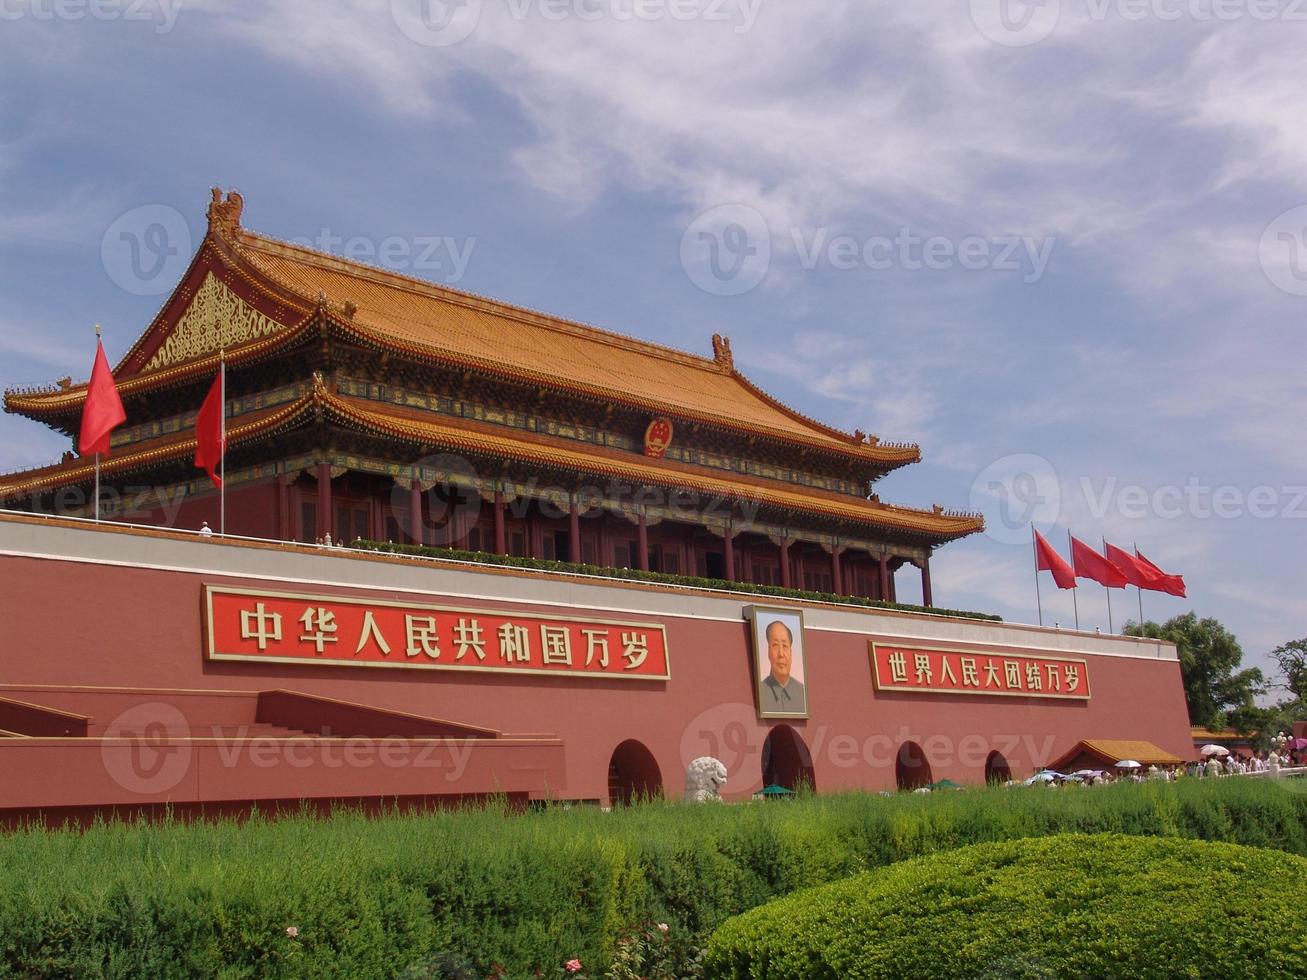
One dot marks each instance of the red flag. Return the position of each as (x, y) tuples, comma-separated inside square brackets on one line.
[(1129, 566), (1048, 560), (1091, 565), (1162, 582), (210, 434), (103, 411)]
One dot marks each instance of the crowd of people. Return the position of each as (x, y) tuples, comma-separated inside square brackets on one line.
[(1231, 764), (1271, 762)]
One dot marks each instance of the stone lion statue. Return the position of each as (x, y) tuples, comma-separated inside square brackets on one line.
[(704, 780)]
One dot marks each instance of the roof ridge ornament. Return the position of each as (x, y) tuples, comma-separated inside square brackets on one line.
[(721, 352), (225, 215)]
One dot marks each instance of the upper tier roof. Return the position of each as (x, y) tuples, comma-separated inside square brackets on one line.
[(436, 322)]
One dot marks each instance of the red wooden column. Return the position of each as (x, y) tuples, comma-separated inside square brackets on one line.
[(785, 563), (883, 562), (642, 543), (836, 578), (605, 556), (926, 598), (284, 529), (574, 531), (325, 515), (501, 543), (415, 512), (729, 540)]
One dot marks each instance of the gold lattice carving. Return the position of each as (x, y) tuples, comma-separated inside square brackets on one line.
[(217, 318)]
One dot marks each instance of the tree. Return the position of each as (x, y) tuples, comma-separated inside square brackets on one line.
[(1292, 659), (1214, 688)]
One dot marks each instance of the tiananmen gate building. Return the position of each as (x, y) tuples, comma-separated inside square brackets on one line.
[(703, 526)]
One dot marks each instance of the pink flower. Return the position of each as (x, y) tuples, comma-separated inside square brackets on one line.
[(572, 966), (292, 931), (663, 927)]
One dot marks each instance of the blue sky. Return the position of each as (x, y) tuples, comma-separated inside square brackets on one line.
[(1063, 246)]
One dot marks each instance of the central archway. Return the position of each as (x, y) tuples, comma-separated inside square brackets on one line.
[(633, 774), (996, 769), (786, 760), (911, 769)]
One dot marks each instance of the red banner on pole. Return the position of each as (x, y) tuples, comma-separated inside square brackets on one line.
[(210, 433), (291, 628), (103, 411), (919, 670)]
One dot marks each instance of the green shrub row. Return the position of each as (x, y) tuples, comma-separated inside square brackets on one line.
[(379, 897), (636, 575), (1068, 905)]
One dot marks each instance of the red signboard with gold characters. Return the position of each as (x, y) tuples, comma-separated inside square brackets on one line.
[(657, 437), (290, 628), (917, 670)]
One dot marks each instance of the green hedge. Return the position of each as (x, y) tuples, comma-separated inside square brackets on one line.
[(1069, 905), (378, 897), (635, 575)]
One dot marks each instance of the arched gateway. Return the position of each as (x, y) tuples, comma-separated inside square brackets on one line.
[(633, 774), (996, 768), (786, 760), (911, 770)]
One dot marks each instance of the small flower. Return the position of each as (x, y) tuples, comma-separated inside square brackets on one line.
[(572, 966), (663, 927), (293, 931)]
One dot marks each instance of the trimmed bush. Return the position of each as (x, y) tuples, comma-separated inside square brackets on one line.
[(462, 891), (636, 575), (1069, 905)]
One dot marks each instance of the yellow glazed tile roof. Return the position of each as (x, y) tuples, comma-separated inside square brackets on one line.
[(396, 421), (416, 317), (454, 326), (1140, 751)]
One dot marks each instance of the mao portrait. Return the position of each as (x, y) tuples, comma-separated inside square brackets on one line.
[(780, 669)]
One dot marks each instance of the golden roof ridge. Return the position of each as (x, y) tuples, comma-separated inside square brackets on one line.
[(248, 239)]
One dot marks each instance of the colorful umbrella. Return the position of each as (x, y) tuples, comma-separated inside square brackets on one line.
[(1048, 775)]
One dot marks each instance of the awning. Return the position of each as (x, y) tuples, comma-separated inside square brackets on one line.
[(1112, 751)]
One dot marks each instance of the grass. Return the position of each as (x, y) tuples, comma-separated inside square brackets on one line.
[(372, 897)]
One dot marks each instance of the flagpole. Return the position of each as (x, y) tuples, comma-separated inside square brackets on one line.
[(97, 454), (1074, 604), (222, 444), (1110, 628), (1034, 547), (1140, 590)]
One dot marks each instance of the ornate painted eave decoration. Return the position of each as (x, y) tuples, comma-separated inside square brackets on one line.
[(216, 320), (154, 453), (936, 523), (321, 403)]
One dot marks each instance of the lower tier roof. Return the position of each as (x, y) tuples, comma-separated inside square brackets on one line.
[(419, 429)]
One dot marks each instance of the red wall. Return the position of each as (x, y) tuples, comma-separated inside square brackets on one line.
[(71, 623), (252, 511)]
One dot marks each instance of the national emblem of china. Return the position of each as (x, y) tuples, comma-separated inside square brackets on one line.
[(657, 437)]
